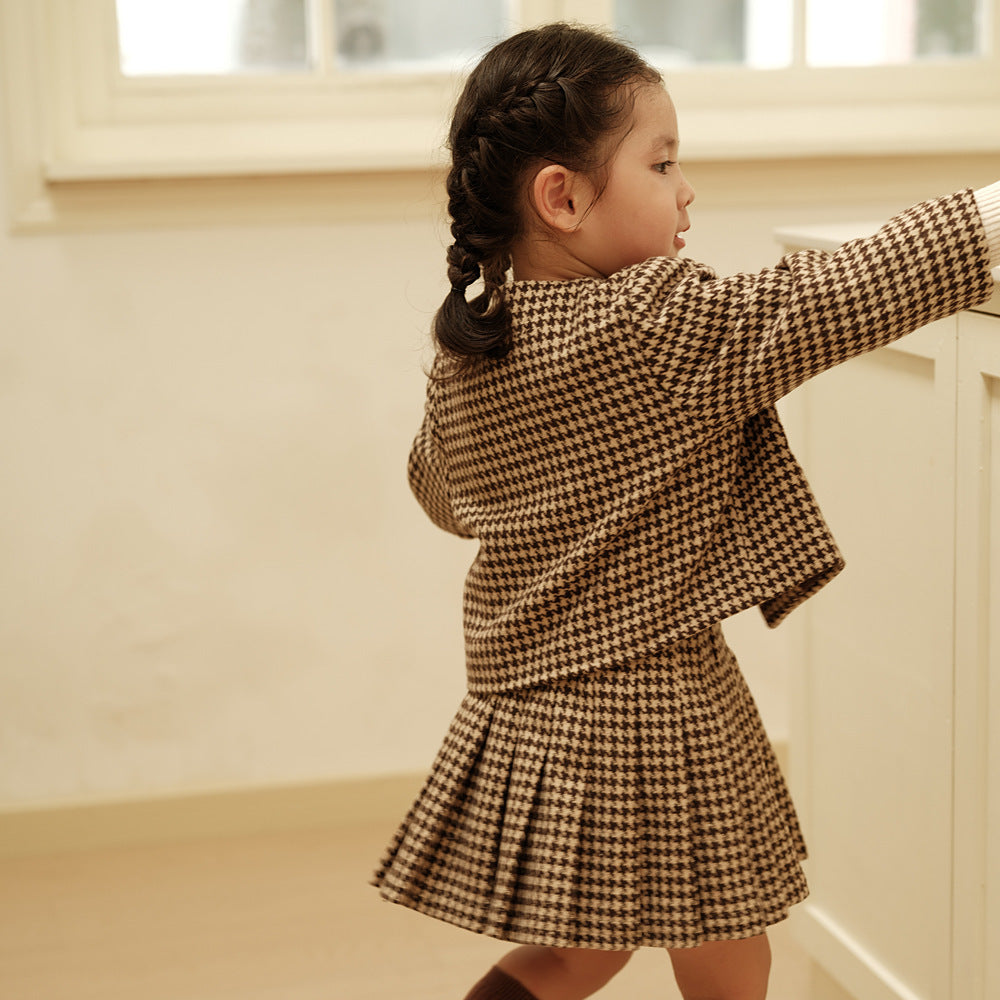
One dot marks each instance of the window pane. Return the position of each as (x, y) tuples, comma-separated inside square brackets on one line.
[(881, 32), (423, 35), (754, 33), (178, 37)]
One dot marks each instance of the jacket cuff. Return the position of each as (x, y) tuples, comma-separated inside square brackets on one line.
[(988, 202)]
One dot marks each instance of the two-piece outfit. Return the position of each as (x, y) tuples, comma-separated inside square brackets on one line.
[(607, 782)]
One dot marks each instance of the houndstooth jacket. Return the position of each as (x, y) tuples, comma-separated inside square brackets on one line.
[(624, 469)]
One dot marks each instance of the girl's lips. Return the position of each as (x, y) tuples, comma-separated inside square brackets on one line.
[(680, 242)]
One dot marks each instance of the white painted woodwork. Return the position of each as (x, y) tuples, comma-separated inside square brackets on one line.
[(894, 767)]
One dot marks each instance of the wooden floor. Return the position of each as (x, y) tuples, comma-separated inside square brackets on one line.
[(271, 917)]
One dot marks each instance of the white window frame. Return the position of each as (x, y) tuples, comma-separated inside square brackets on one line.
[(89, 122)]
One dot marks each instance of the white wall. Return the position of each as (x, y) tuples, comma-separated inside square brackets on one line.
[(212, 572)]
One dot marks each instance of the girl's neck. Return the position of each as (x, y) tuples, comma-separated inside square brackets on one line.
[(547, 260)]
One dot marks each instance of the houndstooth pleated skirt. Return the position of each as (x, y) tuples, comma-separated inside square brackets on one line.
[(639, 806)]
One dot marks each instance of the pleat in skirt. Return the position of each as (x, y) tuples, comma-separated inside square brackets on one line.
[(637, 806)]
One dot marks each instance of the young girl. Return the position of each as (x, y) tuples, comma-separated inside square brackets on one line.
[(603, 424)]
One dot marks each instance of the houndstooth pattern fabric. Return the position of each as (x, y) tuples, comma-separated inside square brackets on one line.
[(627, 807), (624, 469), (607, 782)]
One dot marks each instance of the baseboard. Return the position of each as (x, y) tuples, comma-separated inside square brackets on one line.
[(851, 971), (53, 829), (231, 812)]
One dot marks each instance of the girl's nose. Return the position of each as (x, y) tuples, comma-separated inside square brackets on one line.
[(686, 194)]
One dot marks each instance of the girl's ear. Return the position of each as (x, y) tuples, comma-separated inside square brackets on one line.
[(556, 197)]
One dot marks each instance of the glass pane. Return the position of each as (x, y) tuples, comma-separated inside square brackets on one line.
[(887, 32), (178, 37), (755, 33), (423, 35)]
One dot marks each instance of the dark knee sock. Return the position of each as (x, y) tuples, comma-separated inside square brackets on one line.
[(497, 985)]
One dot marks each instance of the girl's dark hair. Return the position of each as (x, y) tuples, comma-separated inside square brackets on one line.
[(550, 94)]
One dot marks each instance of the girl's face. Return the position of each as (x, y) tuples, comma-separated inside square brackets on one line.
[(643, 210)]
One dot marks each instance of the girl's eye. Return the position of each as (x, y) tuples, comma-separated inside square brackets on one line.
[(661, 168)]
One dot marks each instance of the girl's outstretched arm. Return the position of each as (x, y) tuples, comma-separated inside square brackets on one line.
[(725, 349)]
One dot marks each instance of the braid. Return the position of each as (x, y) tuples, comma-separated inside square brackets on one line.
[(479, 328), (549, 94), (463, 268)]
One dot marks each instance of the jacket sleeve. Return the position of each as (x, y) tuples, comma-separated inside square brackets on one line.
[(725, 349), (428, 475)]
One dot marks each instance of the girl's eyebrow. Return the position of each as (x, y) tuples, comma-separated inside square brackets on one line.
[(665, 141)]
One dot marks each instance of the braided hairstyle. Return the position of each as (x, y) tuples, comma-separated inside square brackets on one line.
[(558, 94)]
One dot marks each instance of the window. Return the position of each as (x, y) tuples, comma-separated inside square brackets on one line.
[(675, 34), (192, 37), (184, 37), (195, 37), (763, 33), (146, 88)]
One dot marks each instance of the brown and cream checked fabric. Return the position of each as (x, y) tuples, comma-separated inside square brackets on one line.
[(626, 807), (623, 468), (607, 782)]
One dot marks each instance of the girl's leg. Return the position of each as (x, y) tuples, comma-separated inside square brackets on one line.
[(535, 973), (724, 970)]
